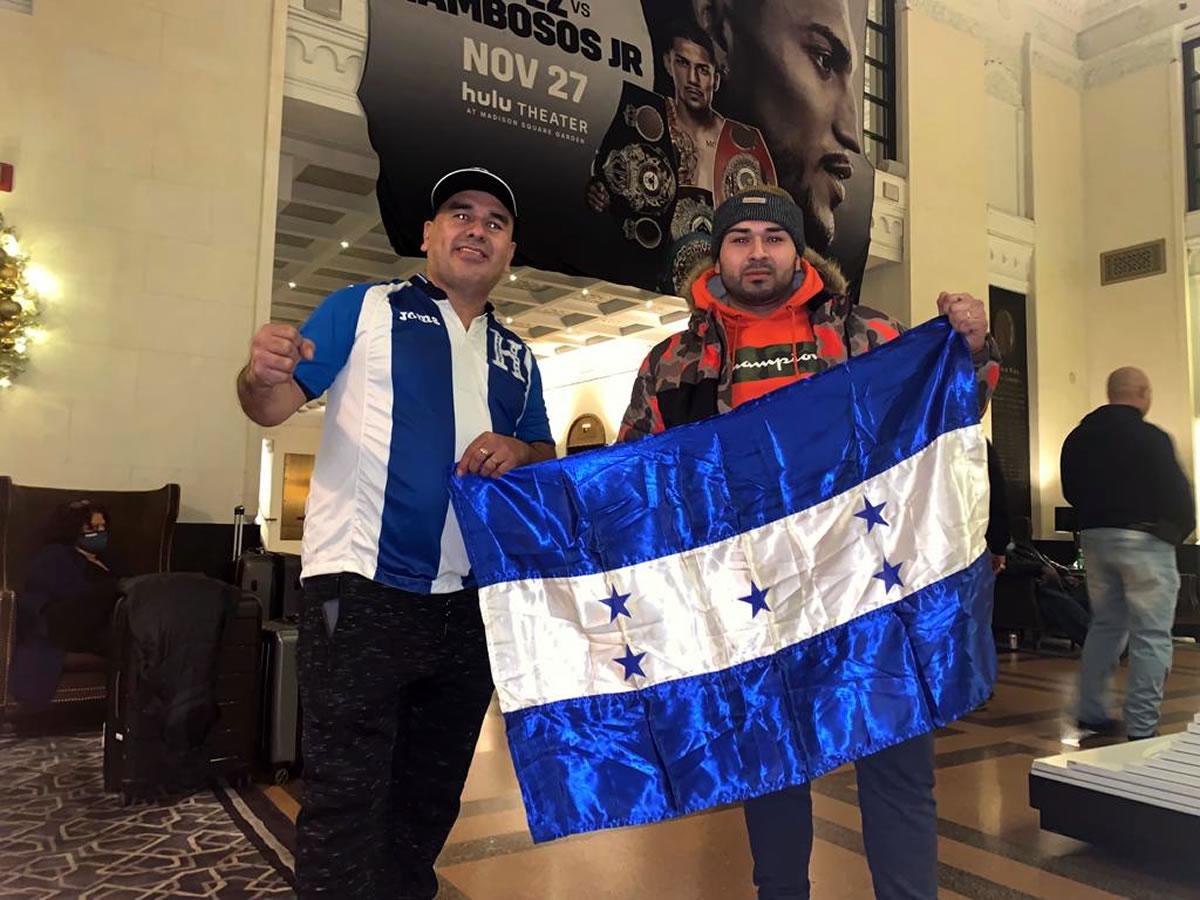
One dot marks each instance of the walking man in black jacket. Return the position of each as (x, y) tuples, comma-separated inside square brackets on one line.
[(1134, 506)]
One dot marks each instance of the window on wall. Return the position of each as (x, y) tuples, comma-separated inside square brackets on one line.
[(1191, 119), (879, 82)]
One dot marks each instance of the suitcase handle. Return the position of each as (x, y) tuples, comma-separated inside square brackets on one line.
[(117, 699), (239, 521)]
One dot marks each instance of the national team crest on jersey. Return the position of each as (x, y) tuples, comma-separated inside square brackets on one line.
[(417, 384), (509, 355)]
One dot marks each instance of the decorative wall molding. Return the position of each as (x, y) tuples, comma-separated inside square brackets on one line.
[(1191, 225), (1159, 49), (323, 60), (1054, 33), (1010, 251), (887, 233), (1070, 13), (1054, 63), (1003, 82), (1102, 10), (352, 15), (1132, 23), (1004, 23), (1120, 37), (1192, 243), (1007, 50), (331, 9), (948, 14), (887, 217)]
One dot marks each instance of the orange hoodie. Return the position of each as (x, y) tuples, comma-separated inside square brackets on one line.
[(767, 352)]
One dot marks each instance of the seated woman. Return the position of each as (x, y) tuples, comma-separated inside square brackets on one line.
[(66, 602)]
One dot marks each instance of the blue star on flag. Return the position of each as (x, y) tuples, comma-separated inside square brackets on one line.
[(632, 663), (757, 598), (890, 576), (872, 515), (616, 605)]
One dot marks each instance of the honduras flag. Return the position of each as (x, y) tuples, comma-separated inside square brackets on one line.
[(744, 603)]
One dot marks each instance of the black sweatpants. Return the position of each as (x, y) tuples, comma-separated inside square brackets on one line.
[(394, 687)]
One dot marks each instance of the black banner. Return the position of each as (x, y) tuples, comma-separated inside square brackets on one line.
[(621, 123), (1010, 402)]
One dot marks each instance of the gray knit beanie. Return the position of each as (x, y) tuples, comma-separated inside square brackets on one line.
[(760, 204)]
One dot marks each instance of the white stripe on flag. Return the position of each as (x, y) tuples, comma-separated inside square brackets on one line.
[(552, 639)]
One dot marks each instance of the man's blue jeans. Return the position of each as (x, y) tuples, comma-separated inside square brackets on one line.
[(895, 796), (1133, 583)]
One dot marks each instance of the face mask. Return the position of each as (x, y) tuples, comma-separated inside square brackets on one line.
[(93, 541)]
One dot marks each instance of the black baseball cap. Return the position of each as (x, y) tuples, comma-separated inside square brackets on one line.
[(472, 179)]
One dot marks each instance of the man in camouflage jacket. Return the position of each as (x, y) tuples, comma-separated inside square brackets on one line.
[(764, 317), (690, 375)]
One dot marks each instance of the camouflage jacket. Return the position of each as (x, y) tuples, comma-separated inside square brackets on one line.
[(689, 376)]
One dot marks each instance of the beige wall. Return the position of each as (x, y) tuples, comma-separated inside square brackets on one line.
[(1135, 193), (139, 131), (946, 153), (1057, 301)]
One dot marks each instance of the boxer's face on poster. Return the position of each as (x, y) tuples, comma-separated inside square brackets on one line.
[(632, 119), (693, 73), (791, 65)]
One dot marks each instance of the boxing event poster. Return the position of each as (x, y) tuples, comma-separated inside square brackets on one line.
[(620, 124)]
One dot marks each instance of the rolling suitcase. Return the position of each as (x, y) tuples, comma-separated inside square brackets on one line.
[(291, 592), (166, 733), (256, 572), (258, 575), (280, 733)]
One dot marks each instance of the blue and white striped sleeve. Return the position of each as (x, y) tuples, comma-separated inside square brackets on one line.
[(534, 425), (331, 328)]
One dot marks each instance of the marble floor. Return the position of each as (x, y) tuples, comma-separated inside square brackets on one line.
[(990, 844)]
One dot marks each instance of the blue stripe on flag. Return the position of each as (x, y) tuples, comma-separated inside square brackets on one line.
[(709, 481), (687, 745)]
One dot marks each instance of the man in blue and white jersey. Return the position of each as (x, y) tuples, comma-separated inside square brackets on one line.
[(394, 676)]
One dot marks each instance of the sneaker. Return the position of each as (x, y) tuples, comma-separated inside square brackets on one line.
[(1105, 728)]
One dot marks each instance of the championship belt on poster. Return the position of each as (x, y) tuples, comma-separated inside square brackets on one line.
[(636, 165), (693, 212), (622, 124), (743, 161)]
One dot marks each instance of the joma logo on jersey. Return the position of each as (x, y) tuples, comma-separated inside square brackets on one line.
[(406, 315), (508, 355)]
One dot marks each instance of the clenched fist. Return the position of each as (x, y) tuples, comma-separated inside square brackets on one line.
[(967, 316), (274, 353), (597, 196)]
